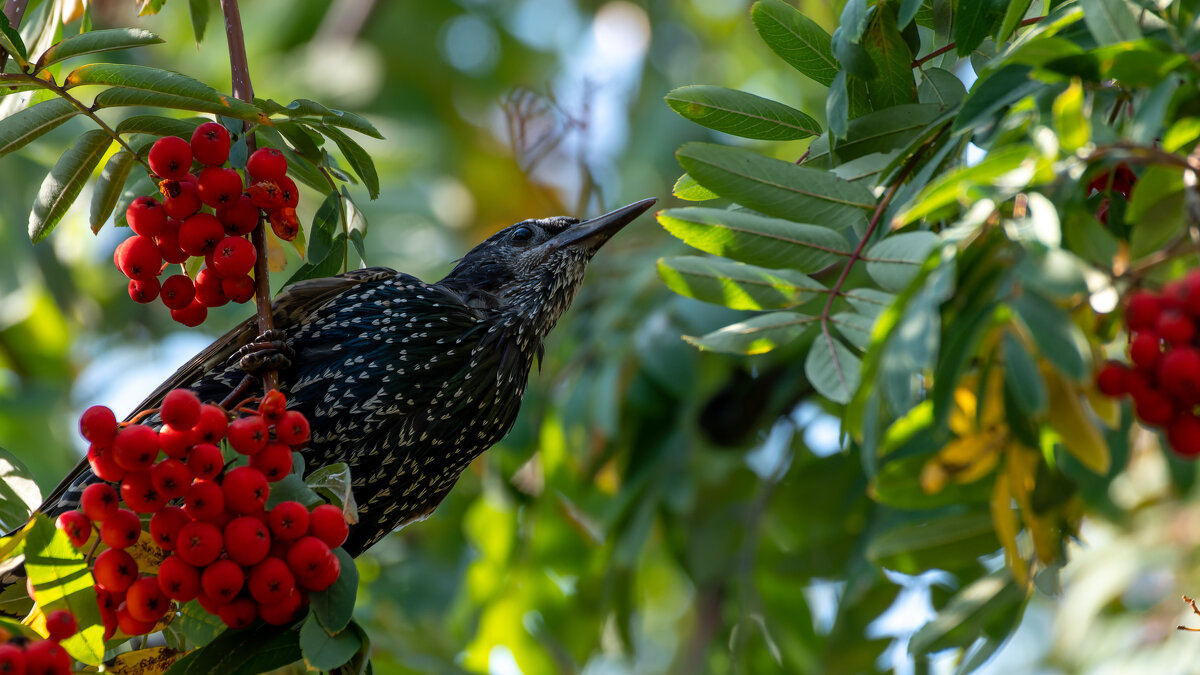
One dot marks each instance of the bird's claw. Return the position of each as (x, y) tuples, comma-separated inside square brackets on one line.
[(269, 351)]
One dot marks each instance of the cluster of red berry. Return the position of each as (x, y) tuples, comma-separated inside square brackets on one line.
[(21, 656), (1164, 347), (239, 559), (1120, 181), (204, 214)]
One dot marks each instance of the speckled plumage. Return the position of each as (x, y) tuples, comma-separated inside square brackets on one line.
[(407, 381)]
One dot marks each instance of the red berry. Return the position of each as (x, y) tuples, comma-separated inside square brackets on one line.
[(138, 258), (310, 560), (178, 291), (60, 624), (238, 614), (170, 157), (1145, 350), (180, 408), (178, 580), (271, 582), (46, 657), (146, 600), (247, 540), (266, 164), (204, 500), (274, 461), (121, 529), (284, 223), (143, 291), (12, 659), (171, 478), (265, 195), (139, 494), (1179, 374), (1153, 407), (212, 425), (129, 625), (200, 234), (273, 406), (205, 461), (165, 526), (292, 429), (240, 289), (220, 187), (1184, 435), (329, 525), (233, 257), (325, 577), (181, 199), (210, 144), (76, 525), (248, 435), (98, 424), (193, 315), (280, 613), (198, 543), (289, 191), (168, 242), (1123, 179), (114, 570), (210, 605), (99, 501), (1174, 326), (145, 216), (222, 580), (135, 447), (246, 489), (240, 217), (289, 520), (102, 464), (175, 442), (1142, 310), (208, 288)]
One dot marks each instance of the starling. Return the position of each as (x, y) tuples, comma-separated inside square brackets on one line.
[(405, 381)]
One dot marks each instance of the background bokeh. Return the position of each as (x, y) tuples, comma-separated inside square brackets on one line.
[(655, 509)]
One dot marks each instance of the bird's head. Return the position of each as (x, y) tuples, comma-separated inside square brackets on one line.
[(535, 267)]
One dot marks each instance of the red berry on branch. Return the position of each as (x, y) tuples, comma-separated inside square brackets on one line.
[(328, 524), (274, 461), (234, 257), (178, 291), (311, 561), (266, 164), (60, 624), (220, 187), (240, 289), (222, 580), (204, 500), (247, 540), (211, 605), (292, 429), (170, 157), (1145, 350), (271, 582), (143, 292), (273, 406), (284, 223), (238, 614), (1153, 407), (168, 242), (114, 570), (289, 520), (205, 461), (135, 447), (139, 494), (1179, 374), (245, 489), (280, 613), (210, 144), (240, 217), (198, 543), (1176, 327), (265, 195), (1142, 310), (145, 216), (178, 580), (248, 435), (193, 315), (119, 530), (212, 425), (165, 526), (289, 191), (171, 478), (12, 659), (130, 625), (175, 442), (98, 424), (99, 501), (146, 600), (181, 199), (180, 408), (46, 657), (200, 234), (208, 288), (138, 258), (77, 527), (102, 464)]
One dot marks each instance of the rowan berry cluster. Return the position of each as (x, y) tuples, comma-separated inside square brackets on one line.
[(205, 214), (21, 656), (1164, 349), (241, 560)]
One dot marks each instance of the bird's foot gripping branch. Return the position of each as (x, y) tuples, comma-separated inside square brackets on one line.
[(209, 524)]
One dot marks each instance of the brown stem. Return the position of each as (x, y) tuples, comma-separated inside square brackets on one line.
[(239, 69), (938, 52)]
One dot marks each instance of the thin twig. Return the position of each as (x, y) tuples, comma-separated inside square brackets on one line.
[(917, 63), (239, 69)]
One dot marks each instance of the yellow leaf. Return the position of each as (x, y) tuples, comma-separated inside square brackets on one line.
[(1008, 525), (276, 258), (150, 661), (1069, 418)]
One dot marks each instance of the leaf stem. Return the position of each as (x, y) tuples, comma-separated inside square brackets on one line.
[(239, 69), (917, 63)]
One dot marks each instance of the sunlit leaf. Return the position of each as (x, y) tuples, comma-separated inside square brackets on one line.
[(688, 189), (796, 39), (755, 239), (741, 114), (834, 371), (97, 41), (756, 335), (19, 494), (61, 580), (108, 188), (1070, 419), (62, 185), (736, 285), (156, 125), (27, 125)]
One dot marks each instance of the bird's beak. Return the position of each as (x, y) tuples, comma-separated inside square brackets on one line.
[(592, 234)]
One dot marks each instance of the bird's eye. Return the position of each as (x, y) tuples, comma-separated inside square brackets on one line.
[(522, 233)]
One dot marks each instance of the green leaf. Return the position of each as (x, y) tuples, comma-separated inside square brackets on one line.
[(1110, 21), (97, 41), (688, 189), (331, 265), (796, 39), (965, 186), (11, 42), (324, 227), (892, 83), (196, 624), (198, 11), (19, 494), (944, 541), (334, 606), (249, 651), (995, 92), (303, 107), (941, 87), (109, 187), (868, 301), (741, 114), (969, 613), (141, 85), (837, 105), (61, 580), (65, 180), (1012, 16), (156, 125), (334, 481), (908, 12), (359, 160), (974, 21), (834, 371), (1056, 336), (875, 133), (856, 328), (305, 140), (775, 187), (736, 285), (1022, 377), (26, 125), (758, 240), (756, 335), (1074, 129), (323, 651), (894, 261), (1156, 211)]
